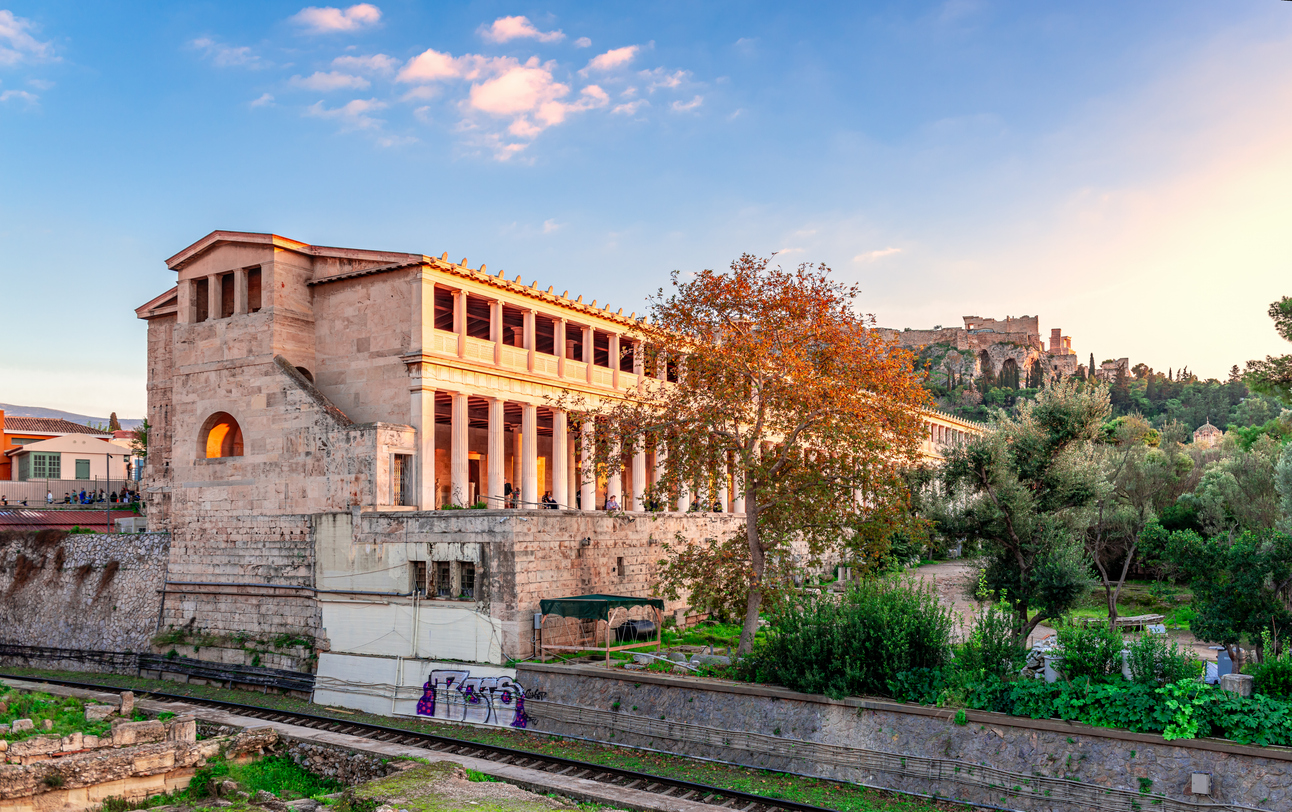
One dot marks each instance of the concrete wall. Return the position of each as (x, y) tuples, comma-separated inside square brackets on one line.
[(1035, 765), (83, 591)]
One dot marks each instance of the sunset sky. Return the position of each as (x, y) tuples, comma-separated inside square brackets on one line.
[(1124, 170)]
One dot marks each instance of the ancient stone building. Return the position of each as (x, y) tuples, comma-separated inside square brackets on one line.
[(1008, 350), (358, 451)]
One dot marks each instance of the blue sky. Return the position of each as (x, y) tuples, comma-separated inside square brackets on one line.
[(1122, 169)]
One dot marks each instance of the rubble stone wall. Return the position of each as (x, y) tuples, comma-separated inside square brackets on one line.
[(1035, 765), (81, 591)]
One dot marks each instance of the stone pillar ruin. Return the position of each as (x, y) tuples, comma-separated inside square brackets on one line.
[(423, 420)]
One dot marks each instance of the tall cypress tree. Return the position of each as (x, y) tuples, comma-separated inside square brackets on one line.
[(1092, 366)]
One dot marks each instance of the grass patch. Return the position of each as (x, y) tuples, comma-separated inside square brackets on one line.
[(829, 794), (66, 713), (276, 774)]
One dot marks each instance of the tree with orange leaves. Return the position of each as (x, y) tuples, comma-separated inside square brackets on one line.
[(769, 378)]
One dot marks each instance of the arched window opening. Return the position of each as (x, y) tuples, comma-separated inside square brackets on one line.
[(222, 436), (305, 373)]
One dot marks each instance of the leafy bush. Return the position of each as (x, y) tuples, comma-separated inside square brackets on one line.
[(1155, 661), (1094, 652), (1273, 677), (992, 648), (857, 643)]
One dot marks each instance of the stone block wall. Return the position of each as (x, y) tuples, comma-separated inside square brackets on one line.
[(1041, 765), (83, 591)]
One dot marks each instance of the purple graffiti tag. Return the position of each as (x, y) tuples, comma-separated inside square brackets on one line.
[(426, 705), (521, 719)]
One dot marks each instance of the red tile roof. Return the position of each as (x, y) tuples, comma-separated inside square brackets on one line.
[(47, 425), (12, 518)]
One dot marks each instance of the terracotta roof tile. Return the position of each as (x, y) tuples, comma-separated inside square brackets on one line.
[(12, 518), (48, 425)]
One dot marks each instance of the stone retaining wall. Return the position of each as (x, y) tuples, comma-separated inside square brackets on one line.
[(1026, 764), (95, 592)]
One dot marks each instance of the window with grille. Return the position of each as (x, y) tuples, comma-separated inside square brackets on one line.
[(46, 466), (468, 580), (82, 469), (443, 579), (419, 577), (401, 479)]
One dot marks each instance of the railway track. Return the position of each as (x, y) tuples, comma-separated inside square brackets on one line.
[(685, 790)]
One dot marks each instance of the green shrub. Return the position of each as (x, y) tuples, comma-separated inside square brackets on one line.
[(1273, 676), (1094, 652), (1155, 661), (992, 649), (857, 643)]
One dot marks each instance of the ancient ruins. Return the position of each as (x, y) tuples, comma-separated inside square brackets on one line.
[(1008, 350)]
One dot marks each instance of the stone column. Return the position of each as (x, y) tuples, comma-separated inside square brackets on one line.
[(588, 474), (529, 456), (460, 322), (213, 297), (240, 292), (724, 494), (683, 497), (517, 454), (458, 489), (495, 330), (615, 474), (614, 360), (497, 455), (639, 474), (560, 351), (423, 420), (589, 352), (571, 468), (661, 457), (530, 344), (738, 501), (560, 459)]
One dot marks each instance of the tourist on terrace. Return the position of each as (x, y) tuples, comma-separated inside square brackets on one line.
[(549, 503), (49, 497), (612, 503)]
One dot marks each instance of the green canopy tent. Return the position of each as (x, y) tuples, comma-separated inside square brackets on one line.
[(594, 616)]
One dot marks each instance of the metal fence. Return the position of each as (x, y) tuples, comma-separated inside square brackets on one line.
[(36, 490)]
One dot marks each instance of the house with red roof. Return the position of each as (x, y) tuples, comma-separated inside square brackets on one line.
[(16, 432)]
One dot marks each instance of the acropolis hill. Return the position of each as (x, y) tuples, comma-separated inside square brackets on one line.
[(1005, 350)]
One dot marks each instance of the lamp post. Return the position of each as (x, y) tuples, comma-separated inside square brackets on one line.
[(107, 490)]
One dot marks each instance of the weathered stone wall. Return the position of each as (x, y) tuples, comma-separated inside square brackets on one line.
[(1035, 765), (161, 340), (347, 766), (82, 591)]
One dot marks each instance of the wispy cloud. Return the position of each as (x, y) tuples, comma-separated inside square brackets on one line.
[(871, 256), (377, 63), (611, 59), (16, 42), (661, 79), (229, 56), (630, 108), (265, 100), (20, 95), (506, 29), (326, 82), (329, 20), (583, 42), (353, 115), (550, 226), (686, 107)]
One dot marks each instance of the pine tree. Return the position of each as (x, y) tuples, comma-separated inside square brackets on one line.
[(1092, 366)]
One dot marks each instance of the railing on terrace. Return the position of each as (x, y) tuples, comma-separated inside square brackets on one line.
[(35, 490)]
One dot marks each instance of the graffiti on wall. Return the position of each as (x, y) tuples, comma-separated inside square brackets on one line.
[(457, 696)]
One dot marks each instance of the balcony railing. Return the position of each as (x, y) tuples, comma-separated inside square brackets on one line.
[(483, 351)]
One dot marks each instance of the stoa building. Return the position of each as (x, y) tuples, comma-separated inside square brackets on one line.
[(361, 450)]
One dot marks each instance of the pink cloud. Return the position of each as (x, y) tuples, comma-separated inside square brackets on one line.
[(329, 20), (505, 29), (612, 59)]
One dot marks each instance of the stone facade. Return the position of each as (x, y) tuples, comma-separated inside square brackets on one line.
[(95, 592), (1040, 765), (311, 402)]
